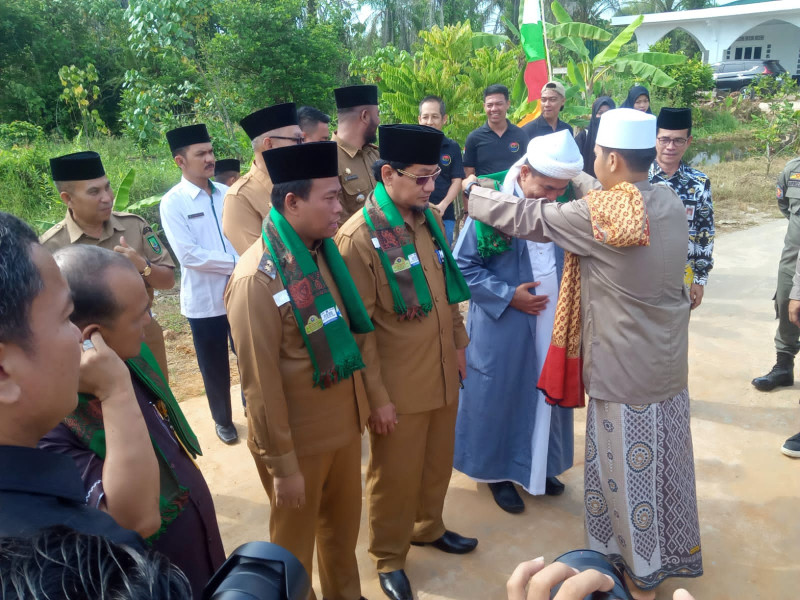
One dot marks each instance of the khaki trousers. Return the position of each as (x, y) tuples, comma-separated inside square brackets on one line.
[(154, 338), (331, 516), (787, 336), (407, 479)]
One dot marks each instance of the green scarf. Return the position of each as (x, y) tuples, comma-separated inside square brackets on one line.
[(410, 293), (86, 422), (492, 242), (330, 343)]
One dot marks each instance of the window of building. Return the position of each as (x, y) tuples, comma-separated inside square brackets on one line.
[(737, 54)]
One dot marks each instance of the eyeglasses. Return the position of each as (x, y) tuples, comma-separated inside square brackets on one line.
[(297, 140), (420, 179), (677, 142)]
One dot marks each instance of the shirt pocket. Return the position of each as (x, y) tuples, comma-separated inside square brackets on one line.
[(359, 183)]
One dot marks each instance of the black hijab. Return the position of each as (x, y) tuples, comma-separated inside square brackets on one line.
[(633, 94), (589, 135)]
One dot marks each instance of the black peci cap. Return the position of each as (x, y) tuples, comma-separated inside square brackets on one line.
[(267, 119), (410, 144), (356, 95), (305, 161), (186, 136), (225, 165), (674, 118), (79, 166)]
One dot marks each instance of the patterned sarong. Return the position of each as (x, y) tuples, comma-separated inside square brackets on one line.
[(639, 489)]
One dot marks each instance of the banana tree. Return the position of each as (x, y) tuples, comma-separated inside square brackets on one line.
[(587, 73)]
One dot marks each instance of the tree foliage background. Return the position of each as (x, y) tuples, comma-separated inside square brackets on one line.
[(139, 67)]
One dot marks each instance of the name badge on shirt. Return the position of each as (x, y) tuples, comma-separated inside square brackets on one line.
[(329, 315), (281, 297), (376, 243), (690, 212), (196, 215), (440, 256), (413, 259), (350, 177)]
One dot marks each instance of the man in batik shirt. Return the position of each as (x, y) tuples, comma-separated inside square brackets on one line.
[(694, 189)]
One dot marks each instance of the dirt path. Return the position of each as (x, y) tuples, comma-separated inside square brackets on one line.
[(748, 492)]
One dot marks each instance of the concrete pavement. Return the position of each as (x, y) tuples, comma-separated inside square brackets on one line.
[(748, 492)]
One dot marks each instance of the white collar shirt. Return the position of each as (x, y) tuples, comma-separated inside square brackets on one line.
[(192, 222)]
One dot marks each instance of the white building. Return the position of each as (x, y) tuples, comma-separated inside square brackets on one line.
[(745, 29)]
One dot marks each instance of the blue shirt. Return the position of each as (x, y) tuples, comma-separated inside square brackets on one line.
[(41, 489)]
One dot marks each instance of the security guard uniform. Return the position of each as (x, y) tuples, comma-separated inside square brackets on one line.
[(787, 337), (139, 236), (355, 176)]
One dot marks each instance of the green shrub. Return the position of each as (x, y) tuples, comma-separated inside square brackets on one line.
[(691, 77), (17, 133)]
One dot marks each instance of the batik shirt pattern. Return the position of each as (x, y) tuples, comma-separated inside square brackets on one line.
[(694, 189)]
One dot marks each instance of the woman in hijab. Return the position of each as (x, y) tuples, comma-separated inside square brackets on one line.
[(586, 138), (638, 98)]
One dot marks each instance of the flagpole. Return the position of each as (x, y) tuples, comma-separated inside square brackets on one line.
[(544, 36)]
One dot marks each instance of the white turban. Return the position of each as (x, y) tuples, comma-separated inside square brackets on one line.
[(553, 155)]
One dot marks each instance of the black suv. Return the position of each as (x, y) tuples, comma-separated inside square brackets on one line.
[(737, 74)]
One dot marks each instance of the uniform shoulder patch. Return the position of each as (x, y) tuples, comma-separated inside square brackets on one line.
[(267, 266), (50, 233)]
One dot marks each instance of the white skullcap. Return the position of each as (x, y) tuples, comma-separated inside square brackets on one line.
[(627, 129), (553, 155)]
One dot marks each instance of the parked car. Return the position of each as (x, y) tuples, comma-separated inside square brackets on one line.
[(737, 74)]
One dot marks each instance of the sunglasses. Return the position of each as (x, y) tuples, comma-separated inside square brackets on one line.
[(421, 179)]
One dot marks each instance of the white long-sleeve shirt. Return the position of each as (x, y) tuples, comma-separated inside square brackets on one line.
[(192, 222)]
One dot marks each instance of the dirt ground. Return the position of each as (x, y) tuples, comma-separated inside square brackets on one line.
[(747, 490)]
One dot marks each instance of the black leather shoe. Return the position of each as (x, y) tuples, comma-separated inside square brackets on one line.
[(452, 543), (507, 497), (553, 487), (395, 585), (781, 375), (227, 433)]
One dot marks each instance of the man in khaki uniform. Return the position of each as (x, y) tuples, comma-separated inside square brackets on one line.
[(247, 202), (305, 394), (396, 251), (82, 183), (787, 336), (357, 110)]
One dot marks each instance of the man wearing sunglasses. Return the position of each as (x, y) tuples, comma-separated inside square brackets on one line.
[(247, 202), (396, 251), (693, 188)]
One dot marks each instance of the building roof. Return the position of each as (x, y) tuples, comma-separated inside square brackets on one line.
[(733, 9)]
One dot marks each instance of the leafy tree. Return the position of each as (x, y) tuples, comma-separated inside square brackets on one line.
[(587, 73), (37, 37), (268, 52), (690, 77), (453, 63), (79, 93)]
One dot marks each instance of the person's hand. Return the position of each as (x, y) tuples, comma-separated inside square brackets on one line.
[(438, 208), (531, 580), (696, 294), (102, 372), (526, 302), (467, 180), (290, 492), (383, 419), (462, 363), (794, 312), (138, 261)]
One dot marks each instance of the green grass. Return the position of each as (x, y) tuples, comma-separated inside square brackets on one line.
[(28, 191), (715, 122)]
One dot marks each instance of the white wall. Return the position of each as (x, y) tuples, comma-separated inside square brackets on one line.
[(783, 38)]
